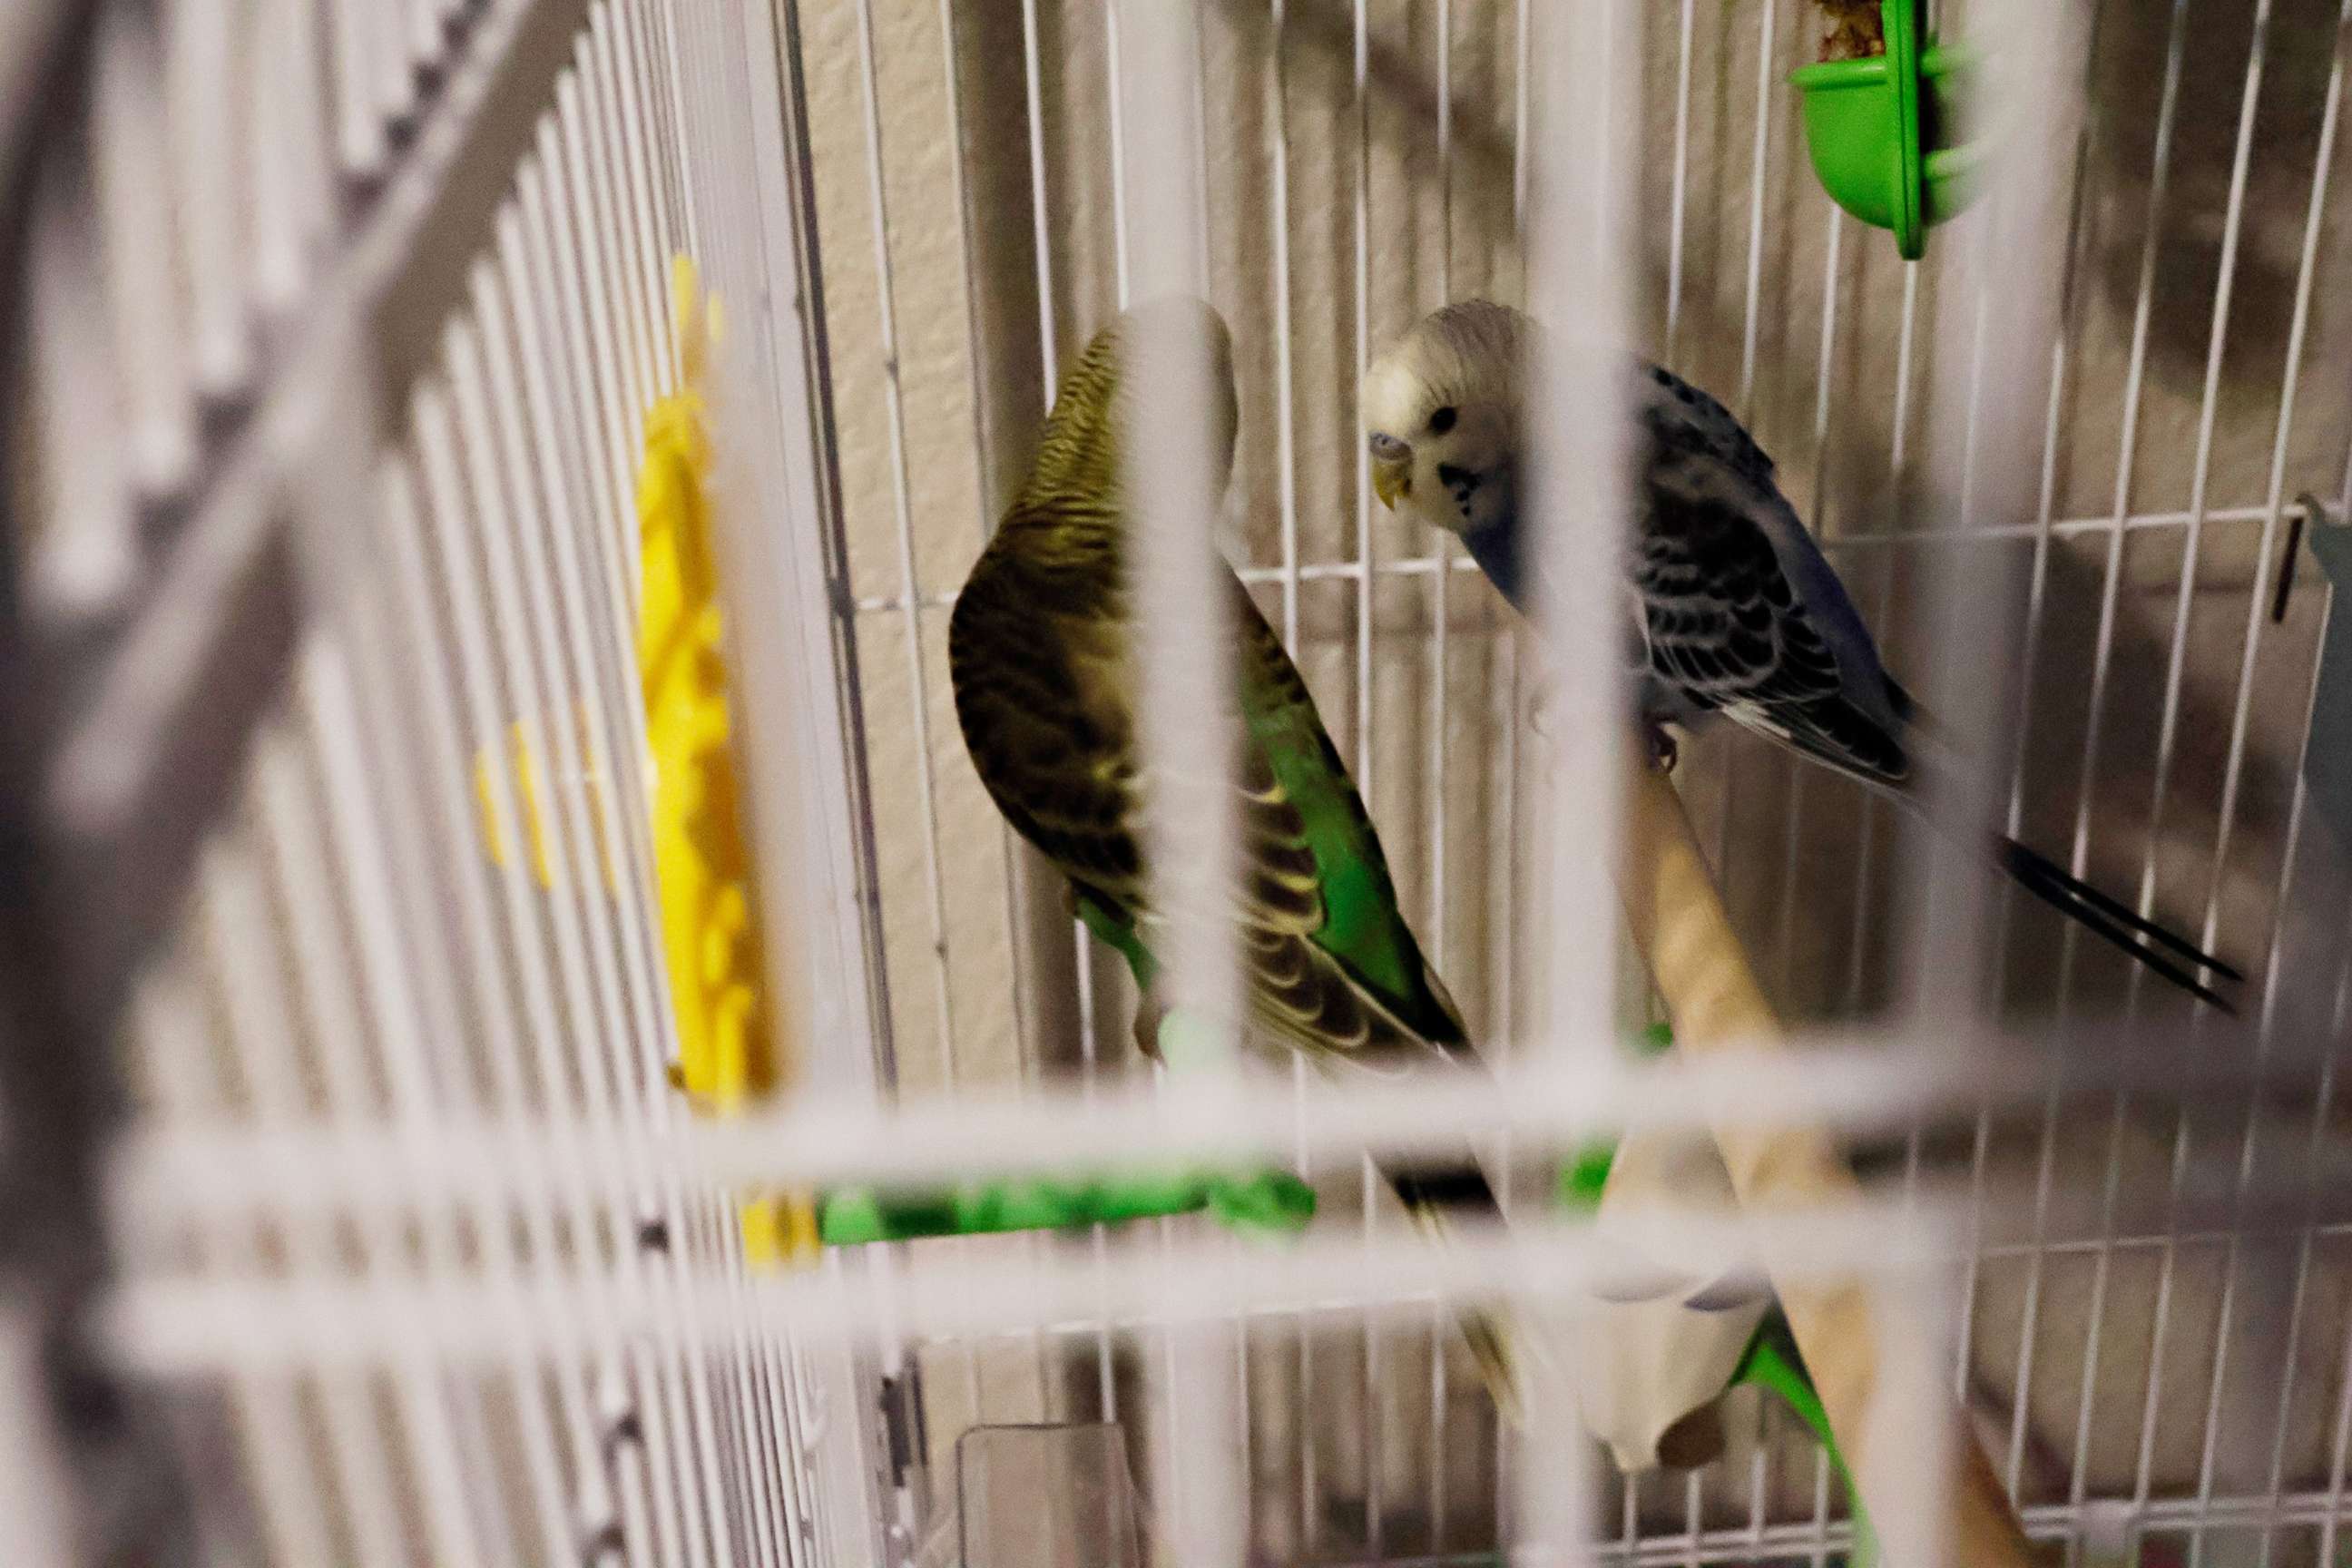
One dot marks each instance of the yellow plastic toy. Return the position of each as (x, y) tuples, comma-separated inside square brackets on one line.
[(529, 800), (728, 1052), (727, 1049), (526, 798)]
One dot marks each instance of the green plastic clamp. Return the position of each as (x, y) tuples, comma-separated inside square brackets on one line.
[(1883, 132), (1582, 1179), (1772, 1361)]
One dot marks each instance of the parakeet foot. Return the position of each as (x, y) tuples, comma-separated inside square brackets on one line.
[(1087, 909), (1150, 1012), (1695, 1441)]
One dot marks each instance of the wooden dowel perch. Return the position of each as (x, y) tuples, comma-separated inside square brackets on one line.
[(1678, 922)]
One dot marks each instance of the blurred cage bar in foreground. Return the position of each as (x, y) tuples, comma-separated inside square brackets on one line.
[(335, 332)]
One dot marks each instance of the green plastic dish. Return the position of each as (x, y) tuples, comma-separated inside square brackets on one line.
[(1884, 134)]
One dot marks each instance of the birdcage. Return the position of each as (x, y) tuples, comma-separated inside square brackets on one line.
[(528, 1042)]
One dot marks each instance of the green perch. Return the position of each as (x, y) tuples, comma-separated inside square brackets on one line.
[(1271, 1202), (1274, 1201)]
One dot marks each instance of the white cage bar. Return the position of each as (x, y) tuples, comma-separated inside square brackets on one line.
[(340, 330)]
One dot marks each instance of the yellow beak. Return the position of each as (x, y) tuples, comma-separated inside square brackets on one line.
[(1392, 482)]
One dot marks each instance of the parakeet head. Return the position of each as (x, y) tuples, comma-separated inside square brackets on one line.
[(1178, 324), (1441, 410), (1115, 393)]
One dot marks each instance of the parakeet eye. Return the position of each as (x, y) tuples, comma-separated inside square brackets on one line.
[(1443, 420)]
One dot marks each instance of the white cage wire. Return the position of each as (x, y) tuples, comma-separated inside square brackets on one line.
[(339, 326)]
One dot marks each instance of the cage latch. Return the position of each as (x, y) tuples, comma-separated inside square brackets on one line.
[(902, 1422), (2327, 752)]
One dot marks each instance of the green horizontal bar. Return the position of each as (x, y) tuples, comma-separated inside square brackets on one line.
[(1275, 1200), (1271, 1201)]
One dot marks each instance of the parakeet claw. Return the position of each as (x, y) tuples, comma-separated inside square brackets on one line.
[(1540, 710), (1149, 1013), (1695, 1441)]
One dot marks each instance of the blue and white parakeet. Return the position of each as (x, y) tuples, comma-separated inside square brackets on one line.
[(1733, 611)]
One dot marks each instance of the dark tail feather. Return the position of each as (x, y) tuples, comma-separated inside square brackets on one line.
[(2114, 922), (1430, 1197), (2024, 862)]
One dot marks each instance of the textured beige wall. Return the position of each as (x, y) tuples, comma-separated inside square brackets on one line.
[(921, 484)]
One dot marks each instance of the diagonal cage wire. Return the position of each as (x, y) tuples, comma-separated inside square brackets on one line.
[(334, 454)]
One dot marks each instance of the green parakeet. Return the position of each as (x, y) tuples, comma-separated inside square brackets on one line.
[(1041, 653)]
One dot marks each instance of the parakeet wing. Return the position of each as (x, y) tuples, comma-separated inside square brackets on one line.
[(1043, 690), (1743, 616), (1361, 928)]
